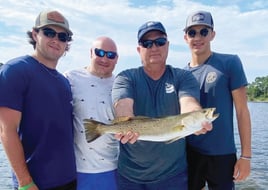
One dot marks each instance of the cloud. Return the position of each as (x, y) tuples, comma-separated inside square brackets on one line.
[(239, 29)]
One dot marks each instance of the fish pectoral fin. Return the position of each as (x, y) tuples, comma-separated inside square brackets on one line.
[(176, 129), (179, 128)]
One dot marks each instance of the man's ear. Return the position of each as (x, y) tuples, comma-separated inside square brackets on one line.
[(213, 35), (138, 49), (34, 35)]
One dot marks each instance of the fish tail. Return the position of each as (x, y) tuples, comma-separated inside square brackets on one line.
[(91, 130)]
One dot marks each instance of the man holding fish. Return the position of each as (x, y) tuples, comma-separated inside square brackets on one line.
[(153, 90)]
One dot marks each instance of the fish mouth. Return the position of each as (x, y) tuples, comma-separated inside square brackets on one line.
[(210, 113)]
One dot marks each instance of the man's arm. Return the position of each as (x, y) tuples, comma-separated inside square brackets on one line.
[(189, 104), (242, 167), (124, 107), (9, 121)]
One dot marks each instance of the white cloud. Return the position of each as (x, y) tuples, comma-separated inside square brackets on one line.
[(240, 30)]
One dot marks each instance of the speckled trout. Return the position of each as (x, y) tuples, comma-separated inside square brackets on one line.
[(165, 129)]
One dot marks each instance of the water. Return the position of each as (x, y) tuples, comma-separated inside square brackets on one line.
[(258, 179), (5, 177)]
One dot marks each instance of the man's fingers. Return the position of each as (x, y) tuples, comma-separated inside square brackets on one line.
[(129, 137)]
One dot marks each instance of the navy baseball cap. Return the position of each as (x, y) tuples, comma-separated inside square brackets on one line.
[(150, 26), (199, 18)]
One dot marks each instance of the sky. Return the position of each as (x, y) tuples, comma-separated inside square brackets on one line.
[(241, 28)]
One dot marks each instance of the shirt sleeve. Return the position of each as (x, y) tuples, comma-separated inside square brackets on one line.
[(122, 87), (13, 82), (188, 85), (237, 74)]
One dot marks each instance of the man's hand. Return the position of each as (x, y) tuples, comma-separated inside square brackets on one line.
[(206, 127), (241, 169), (129, 137)]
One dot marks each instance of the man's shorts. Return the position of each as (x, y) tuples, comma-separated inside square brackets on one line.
[(97, 181), (216, 171), (174, 183)]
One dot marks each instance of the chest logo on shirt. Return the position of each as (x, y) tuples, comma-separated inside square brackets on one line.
[(211, 77), (169, 88)]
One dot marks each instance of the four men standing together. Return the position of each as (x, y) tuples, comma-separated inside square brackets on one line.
[(39, 108)]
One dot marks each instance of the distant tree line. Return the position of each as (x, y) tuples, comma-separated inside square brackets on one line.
[(258, 90)]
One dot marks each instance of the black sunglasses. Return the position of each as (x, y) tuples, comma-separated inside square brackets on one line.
[(62, 36), (149, 43), (102, 53), (192, 33)]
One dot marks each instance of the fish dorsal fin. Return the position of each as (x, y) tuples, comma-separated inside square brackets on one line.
[(141, 118), (126, 118), (121, 119), (93, 121)]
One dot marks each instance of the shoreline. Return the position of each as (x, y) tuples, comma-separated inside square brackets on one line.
[(257, 101)]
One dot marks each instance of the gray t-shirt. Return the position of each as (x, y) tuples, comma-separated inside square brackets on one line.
[(144, 161)]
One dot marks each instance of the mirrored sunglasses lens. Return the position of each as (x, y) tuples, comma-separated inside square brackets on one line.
[(111, 55), (99, 52), (204, 32)]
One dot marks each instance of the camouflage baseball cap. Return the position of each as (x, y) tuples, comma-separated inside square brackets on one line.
[(52, 17)]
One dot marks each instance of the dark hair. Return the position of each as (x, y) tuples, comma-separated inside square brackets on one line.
[(33, 42)]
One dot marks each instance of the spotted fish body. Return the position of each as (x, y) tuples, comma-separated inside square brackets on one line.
[(164, 129)]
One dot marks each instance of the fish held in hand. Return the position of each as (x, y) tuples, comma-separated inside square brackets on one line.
[(164, 129)]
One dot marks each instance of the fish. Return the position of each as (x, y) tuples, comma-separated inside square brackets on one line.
[(163, 129)]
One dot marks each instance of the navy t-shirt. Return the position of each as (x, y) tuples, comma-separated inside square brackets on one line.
[(146, 161), (43, 96), (218, 77)]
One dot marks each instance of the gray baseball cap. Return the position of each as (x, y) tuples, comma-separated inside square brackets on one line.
[(150, 26), (52, 17), (199, 18)]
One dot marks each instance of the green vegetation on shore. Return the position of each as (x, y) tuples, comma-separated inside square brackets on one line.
[(258, 90)]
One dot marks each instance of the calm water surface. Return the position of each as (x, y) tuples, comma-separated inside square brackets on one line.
[(258, 179)]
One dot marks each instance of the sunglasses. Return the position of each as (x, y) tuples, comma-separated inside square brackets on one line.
[(149, 43), (62, 36), (192, 33), (102, 53)]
